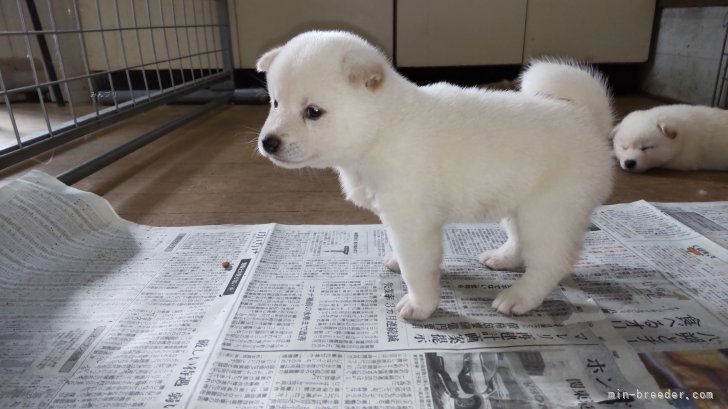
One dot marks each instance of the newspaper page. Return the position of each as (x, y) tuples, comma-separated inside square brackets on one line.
[(663, 288), (709, 219), (98, 312), (317, 329)]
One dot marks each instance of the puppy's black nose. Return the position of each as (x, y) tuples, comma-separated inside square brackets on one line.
[(271, 143), (630, 164)]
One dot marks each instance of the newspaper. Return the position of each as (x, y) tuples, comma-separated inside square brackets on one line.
[(98, 312), (709, 219)]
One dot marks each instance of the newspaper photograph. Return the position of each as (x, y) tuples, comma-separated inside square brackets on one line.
[(98, 312)]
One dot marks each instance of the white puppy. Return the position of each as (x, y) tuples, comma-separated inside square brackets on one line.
[(682, 137), (420, 157)]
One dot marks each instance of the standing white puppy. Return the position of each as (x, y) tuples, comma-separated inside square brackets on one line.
[(682, 137), (420, 157)]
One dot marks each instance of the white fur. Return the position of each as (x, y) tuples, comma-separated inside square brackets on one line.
[(420, 157), (682, 137)]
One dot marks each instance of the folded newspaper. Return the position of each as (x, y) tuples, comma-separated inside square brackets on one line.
[(98, 312)]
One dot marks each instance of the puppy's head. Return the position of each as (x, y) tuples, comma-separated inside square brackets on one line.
[(642, 141), (324, 89)]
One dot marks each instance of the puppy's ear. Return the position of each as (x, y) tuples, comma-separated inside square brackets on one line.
[(667, 130), (362, 69), (266, 59), (613, 133)]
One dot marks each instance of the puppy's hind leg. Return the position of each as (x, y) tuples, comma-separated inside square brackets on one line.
[(507, 256), (551, 233), (417, 246)]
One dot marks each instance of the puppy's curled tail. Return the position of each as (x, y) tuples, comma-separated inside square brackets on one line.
[(570, 81)]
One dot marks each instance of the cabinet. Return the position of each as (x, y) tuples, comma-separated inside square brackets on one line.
[(432, 33), (259, 25), (596, 31), (460, 32)]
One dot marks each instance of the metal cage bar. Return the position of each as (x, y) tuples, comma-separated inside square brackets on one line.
[(720, 90), (34, 68), (62, 66), (178, 60), (43, 45)]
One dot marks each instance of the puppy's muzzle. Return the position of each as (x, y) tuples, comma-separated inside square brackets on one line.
[(271, 143)]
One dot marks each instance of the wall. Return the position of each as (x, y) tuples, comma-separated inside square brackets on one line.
[(686, 54)]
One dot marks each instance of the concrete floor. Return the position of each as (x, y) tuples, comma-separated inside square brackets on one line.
[(208, 172)]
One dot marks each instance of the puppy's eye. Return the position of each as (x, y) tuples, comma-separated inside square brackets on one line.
[(275, 103), (646, 148), (313, 112)]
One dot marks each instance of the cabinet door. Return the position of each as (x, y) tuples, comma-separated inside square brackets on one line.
[(460, 32), (258, 25), (613, 31)]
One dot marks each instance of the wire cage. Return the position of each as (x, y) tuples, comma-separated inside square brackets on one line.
[(720, 91), (70, 67)]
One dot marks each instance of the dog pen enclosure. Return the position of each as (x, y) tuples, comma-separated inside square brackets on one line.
[(720, 91), (70, 67)]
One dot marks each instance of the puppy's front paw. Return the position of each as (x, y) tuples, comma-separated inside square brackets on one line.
[(391, 263), (517, 300), (500, 259), (410, 309)]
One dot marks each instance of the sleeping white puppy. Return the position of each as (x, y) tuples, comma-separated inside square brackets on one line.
[(682, 137), (420, 157)]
